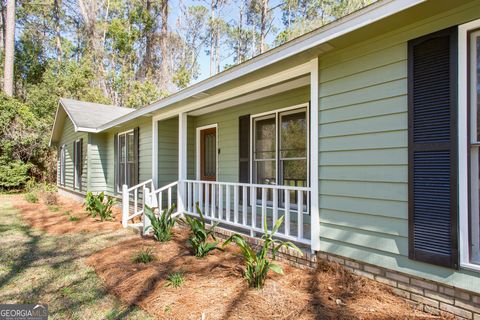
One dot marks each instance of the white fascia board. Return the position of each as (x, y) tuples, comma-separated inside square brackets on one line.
[(85, 129), (347, 24), (54, 126)]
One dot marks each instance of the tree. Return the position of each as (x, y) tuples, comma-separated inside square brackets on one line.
[(9, 48)]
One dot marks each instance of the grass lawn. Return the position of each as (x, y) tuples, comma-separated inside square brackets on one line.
[(36, 267)]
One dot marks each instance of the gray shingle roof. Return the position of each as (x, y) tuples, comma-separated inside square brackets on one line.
[(91, 115)]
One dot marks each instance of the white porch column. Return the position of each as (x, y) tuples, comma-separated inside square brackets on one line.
[(154, 153), (314, 141), (182, 160)]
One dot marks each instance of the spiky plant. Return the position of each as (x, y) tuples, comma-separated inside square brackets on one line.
[(175, 279), (99, 205), (257, 264), (143, 256), (200, 234), (162, 224)]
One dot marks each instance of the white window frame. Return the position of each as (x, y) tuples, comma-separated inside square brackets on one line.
[(197, 149), (276, 113), (62, 164), (77, 178), (464, 112), (124, 133)]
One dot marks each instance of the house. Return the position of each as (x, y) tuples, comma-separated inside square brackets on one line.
[(362, 133)]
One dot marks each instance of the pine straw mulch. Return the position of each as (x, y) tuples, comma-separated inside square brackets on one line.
[(54, 219), (214, 287)]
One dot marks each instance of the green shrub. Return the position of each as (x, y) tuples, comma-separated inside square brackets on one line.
[(31, 197), (161, 224), (99, 205), (200, 234), (31, 185), (257, 264), (73, 218), (13, 175), (143, 256), (175, 279)]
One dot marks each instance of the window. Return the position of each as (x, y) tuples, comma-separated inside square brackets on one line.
[(62, 164), (280, 149), (78, 163), (127, 159), (474, 94)]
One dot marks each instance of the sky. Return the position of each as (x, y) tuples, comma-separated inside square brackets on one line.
[(229, 13)]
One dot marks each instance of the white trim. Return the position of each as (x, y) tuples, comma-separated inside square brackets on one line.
[(463, 172), (182, 159), (276, 115), (368, 15), (314, 155), (197, 149), (155, 152), (123, 133)]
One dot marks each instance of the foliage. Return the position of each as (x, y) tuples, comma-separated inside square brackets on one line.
[(175, 279), (144, 256), (50, 198), (73, 218), (161, 224), (31, 197), (13, 175), (99, 205), (200, 234), (257, 264), (53, 208)]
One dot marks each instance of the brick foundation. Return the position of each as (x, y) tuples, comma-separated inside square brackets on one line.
[(426, 295)]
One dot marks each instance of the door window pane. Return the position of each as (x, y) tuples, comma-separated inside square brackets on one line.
[(130, 147), (265, 136), (123, 153), (293, 135), (210, 154)]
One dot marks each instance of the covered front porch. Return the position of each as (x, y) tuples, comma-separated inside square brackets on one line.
[(244, 161)]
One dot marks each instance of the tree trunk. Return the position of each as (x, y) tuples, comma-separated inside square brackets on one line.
[(58, 39), (164, 70), (263, 25), (9, 48), (212, 36)]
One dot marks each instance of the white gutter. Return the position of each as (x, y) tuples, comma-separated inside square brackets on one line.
[(354, 21)]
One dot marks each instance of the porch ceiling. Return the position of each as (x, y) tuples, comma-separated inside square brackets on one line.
[(299, 82)]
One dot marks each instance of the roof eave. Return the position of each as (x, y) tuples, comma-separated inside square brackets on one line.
[(368, 15)]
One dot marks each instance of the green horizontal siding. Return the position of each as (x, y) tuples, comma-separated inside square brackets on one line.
[(167, 151), (69, 136), (363, 155), (227, 127)]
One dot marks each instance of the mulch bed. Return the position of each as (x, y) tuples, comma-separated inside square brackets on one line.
[(55, 219), (215, 289)]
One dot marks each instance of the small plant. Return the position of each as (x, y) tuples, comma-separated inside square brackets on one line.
[(257, 264), (175, 279), (200, 234), (73, 218), (161, 224), (31, 197), (53, 208), (99, 205), (143, 256), (67, 212), (50, 198)]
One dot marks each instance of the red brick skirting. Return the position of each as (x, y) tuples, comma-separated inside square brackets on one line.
[(426, 295)]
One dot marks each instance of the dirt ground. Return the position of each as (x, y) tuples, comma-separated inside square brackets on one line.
[(55, 219), (214, 287)]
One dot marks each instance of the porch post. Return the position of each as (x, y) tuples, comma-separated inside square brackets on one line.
[(314, 141), (182, 160), (125, 205), (154, 152)]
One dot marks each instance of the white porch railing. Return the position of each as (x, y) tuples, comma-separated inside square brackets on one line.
[(245, 206), (240, 206), (134, 198)]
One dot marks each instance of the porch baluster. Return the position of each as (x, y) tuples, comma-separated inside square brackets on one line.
[(300, 214), (287, 212)]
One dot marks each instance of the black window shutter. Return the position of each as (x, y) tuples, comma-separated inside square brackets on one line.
[(74, 163), (136, 146), (80, 164), (244, 148), (116, 165), (432, 148)]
